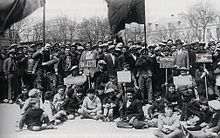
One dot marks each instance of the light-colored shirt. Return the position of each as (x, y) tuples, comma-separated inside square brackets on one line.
[(95, 103), (172, 121)]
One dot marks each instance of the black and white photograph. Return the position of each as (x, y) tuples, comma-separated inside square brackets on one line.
[(110, 68)]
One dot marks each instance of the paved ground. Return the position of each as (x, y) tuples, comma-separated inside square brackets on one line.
[(72, 128)]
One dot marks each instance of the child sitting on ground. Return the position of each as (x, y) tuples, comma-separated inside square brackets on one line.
[(35, 117), (22, 97), (33, 93), (54, 116), (109, 104), (59, 97), (91, 107), (72, 103), (168, 124), (155, 109)]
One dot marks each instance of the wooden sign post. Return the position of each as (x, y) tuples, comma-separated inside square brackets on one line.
[(88, 63), (166, 62), (204, 58)]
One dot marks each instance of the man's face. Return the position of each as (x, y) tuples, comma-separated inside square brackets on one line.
[(37, 105), (158, 98), (25, 90), (47, 47), (179, 46), (130, 96), (61, 91), (171, 89), (91, 95), (79, 94)]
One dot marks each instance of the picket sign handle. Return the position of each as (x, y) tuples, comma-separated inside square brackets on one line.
[(206, 87), (89, 78), (166, 80)]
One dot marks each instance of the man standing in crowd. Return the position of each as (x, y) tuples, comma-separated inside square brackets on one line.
[(44, 66), (10, 68), (181, 57), (111, 61)]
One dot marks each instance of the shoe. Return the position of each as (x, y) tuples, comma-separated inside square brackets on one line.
[(5, 101), (10, 102)]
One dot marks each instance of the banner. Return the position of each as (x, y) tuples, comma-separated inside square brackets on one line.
[(182, 81), (89, 63), (124, 76), (12, 11), (203, 58), (167, 62), (121, 12)]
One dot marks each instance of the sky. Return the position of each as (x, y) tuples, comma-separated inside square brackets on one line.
[(79, 9)]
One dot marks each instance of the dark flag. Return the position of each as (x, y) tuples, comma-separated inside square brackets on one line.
[(121, 12), (12, 11)]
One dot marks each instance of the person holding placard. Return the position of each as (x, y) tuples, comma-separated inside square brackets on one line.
[(144, 64)]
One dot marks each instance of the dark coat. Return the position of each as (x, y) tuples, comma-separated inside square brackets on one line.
[(134, 110)]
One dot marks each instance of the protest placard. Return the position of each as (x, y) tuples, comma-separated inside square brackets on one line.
[(124, 76), (167, 62), (89, 63), (77, 80), (203, 58), (182, 81)]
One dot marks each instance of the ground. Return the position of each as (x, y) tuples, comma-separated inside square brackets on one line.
[(9, 114)]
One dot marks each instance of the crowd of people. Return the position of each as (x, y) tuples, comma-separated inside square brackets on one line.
[(55, 82)]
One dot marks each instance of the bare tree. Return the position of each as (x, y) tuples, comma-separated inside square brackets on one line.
[(199, 17), (94, 29)]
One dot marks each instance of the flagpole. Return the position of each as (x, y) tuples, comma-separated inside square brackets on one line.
[(44, 41), (145, 28)]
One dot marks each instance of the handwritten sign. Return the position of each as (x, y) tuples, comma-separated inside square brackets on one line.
[(78, 80), (183, 80), (89, 63), (167, 62), (203, 58), (124, 76)]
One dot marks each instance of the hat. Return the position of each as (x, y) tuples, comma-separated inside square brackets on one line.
[(32, 92), (130, 90), (13, 46), (111, 47), (61, 87), (101, 62), (183, 68), (215, 104), (203, 100), (48, 95), (211, 43), (162, 44), (133, 47), (125, 64), (103, 45), (153, 46), (80, 48), (90, 91), (119, 45), (138, 47), (157, 94), (110, 90), (166, 48), (11, 51), (178, 41), (4, 47), (74, 67), (32, 45), (34, 101), (158, 48)]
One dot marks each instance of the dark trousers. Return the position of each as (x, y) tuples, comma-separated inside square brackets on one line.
[(14, 86)]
